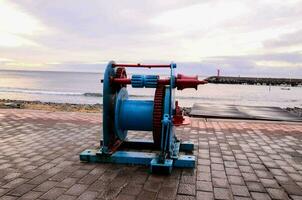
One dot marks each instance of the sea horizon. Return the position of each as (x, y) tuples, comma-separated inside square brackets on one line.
[(86, 88)]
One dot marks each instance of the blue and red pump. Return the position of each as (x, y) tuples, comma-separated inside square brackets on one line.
[(160, 116)]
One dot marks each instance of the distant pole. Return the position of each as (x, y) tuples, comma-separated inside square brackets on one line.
[(218, 73)]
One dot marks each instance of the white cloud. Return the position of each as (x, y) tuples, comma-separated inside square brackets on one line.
[(14, 24), (192, 31)]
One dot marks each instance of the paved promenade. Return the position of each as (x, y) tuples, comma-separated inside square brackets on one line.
[(39, 159)]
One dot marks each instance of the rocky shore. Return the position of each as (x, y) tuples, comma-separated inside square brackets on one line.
[(38, 105), (296, 111), (95, 108)]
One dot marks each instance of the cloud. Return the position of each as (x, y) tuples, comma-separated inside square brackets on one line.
[(286, 40), (277, 65), (240, 37)]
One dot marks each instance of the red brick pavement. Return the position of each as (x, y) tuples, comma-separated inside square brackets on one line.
[(39, 159)]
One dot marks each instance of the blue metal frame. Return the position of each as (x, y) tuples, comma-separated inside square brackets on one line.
[(108, 95)]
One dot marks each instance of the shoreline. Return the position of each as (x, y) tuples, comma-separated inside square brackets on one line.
[(87, 108), (49, 106)]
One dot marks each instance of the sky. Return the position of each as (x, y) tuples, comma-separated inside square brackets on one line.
[(239, 37)]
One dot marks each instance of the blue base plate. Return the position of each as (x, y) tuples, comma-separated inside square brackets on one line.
[(142, 158), (128, 157)]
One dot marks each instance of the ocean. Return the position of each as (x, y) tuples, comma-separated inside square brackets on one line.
[(86, 88)]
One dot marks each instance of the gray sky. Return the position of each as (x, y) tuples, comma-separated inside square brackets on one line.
[(243, 37)]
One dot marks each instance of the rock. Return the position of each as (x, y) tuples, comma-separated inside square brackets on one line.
[(296, 111), (12, 105)]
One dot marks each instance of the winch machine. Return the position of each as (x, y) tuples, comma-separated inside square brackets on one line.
[(159, 116)]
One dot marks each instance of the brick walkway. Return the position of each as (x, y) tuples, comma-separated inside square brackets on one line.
[(236, 160)]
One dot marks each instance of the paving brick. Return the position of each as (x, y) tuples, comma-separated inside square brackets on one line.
[(204, 195), (185, 197), (217, 167), (171, 183), (125, 197), (236, 180), (167, 193), (133, 189), (53, 193), (286, 180), (67, 182), (230, 164), (240, 190), (203, 176), (204, 186), (88, 195), (146, 195), (14, 183), (219, 174), (296, 177), (222, 193), (98, 185), (188, 179), (203, 168), (47, 185), (255, 187), (3, 191), (277, 193), (40, 179), (187, 189), (269, 183), (152, 186), (21, 190), (232, 172), (293, 189), (31, 195), (220, 183), (294, 197), (264, 174), (250, 177), (66, 197), (139, 178), (260, 196), (76, 189), (247, 169), (6, 197), (88, 179), (60, 176), (242, 198)]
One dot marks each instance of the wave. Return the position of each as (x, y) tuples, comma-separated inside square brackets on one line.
[(37, 91), (91, 94), (86, 94)]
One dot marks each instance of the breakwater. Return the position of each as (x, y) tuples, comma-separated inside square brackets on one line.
[(254, 80)]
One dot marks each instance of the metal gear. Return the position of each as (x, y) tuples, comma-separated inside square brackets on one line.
[(158, 114)]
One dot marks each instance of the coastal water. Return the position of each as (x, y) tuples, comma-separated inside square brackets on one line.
[(86, 88)]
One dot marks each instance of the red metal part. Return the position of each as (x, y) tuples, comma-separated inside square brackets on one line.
[(183, 82), (121, 81), (178, 118), (141, 65), (158, 114)]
